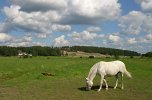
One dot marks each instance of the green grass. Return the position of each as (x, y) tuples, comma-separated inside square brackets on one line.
[(21, 79)]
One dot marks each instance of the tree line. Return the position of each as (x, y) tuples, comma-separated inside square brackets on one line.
[(34, 50), (58, 51), (148, 54), (102, 50)]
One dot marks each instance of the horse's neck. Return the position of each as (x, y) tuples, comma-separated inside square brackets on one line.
[(92, 73)]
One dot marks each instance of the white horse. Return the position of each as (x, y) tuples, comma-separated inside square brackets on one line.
[(107, 69)]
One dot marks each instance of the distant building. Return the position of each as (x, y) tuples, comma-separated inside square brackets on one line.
[(23, 54)]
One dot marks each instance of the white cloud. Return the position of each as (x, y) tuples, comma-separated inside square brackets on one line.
[(91, 12), (5, 37), (19, 44), (61, 28), (46, 16), (23, 39), (101, 35), (85, 38), (12, 11), (89, 9), (60, 41), (135, 23), (149, 36), (42, 35), (9, 40), (82, 36), (25, 44), (146, 5), (26, 40), (141, 40), (38, 22), (147, 25), (41, 5), (146, 39), (114, 38), (93, 29), (131, 23), (132, 40)]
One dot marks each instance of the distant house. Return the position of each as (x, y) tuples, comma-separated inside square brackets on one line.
[(24, 55), (30, 55), (65, 53)]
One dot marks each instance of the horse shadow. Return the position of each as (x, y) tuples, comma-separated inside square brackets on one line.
[(95, 88)]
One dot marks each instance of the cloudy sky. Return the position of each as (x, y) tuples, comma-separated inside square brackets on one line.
[(122, 24)]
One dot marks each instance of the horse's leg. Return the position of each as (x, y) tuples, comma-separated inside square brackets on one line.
[(102, 78), (116, 81), (106, 84), (122, 87)]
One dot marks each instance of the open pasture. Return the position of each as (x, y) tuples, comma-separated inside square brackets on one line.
[(22, 79)]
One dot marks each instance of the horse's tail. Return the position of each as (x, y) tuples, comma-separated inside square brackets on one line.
[(128, 73)]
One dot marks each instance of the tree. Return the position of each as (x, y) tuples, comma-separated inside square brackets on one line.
[(148, 54)]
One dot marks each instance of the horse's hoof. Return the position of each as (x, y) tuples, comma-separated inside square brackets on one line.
[(106, 89), (98, 90), (114, 88)]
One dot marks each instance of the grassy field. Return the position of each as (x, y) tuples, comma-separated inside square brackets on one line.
[(21, 79)]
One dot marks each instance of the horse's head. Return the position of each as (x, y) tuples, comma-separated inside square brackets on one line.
[(89, 84)]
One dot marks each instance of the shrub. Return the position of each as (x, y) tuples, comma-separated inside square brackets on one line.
[(116, 57), (91, 56), (48, 58), (131, 56)]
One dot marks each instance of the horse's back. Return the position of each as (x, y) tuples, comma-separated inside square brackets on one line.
[(111, 63), (111, 68), (121, 65)]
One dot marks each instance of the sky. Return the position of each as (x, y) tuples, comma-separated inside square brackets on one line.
[(121, 24)]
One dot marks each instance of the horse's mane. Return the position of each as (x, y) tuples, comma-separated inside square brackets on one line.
[(93, 70)]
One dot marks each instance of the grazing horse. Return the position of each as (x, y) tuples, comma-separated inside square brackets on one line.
[(102, 68)]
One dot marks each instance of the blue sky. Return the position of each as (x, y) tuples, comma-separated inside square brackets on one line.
[(129, 5), (121, 24)]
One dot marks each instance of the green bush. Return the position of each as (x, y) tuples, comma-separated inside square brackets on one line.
[(116, 57), (91, 56)]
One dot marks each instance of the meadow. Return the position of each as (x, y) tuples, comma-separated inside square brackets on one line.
[(22, 79)]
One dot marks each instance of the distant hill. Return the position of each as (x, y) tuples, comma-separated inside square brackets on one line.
[(101, 50), (83, 54), (58, 51)]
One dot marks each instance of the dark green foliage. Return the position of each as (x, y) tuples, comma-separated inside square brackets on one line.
[(35, 51), (131, 56), (148, 54), (8, 51), (56, 51), (116, 57), (91, 56)]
